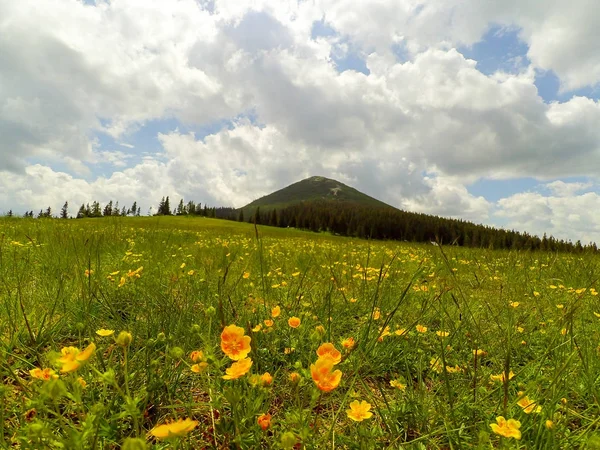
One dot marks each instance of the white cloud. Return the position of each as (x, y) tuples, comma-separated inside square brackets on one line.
[(125, 63)]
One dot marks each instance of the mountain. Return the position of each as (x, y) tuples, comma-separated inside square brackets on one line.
[(313, 189)]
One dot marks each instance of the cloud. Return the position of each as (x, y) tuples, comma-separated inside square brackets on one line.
[(412, 130), (567, 215)]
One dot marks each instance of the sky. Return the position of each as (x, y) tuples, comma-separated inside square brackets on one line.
[(475, 109)]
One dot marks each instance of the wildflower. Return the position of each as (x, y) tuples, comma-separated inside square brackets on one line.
[(294, 322), (43, 374), (383, 333), (563, 331), (199, 367), (72, 357), (514, 304), (197, 356), (479, 352), (421, 328), (502, 377), (323, 375), (275, 312), (89, 272), (266, 379), (376, 314), (104, 333), (191, 272), (124, 339), (288, 350), (174, 429), (507, 428), (320, 329), (235, 343), (246, 275), (328, 350), (238, 369), (269, 322), (82, 382), (560, 306), (549, 424), (257, 328), (442, 334), (264, 421), (353, 300), (295, 377), (398, 384), (359, 411), (348, 343), (400, 331), (536, 294), (182, 266), (529, 406)]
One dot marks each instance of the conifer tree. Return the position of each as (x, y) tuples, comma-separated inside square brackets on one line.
[(64, 212)]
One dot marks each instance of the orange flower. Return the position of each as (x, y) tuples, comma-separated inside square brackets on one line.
[(294, 322), (507, 428), (174, 429), (269, 322), (43, 374), (266, 379), (328, 350), (275, 312), (72, 357), (323, 375), (235, 343), (348, 343), (197, 356), (264, 421), (295, 377), (359, 411), (238, 369)]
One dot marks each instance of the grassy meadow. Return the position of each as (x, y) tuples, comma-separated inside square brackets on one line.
[(116, 333)]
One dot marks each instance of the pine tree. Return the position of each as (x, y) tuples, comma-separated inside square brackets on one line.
[(241, 215), (181, 208), (10, 213), (108, 209), (134, 208), (81, 213), (64, 212)]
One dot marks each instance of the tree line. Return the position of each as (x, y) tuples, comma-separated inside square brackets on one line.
[(373, 222)]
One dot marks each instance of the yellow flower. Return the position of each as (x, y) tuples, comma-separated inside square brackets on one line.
[(294, 322), (257, 328), (353, 300), (235, 343), (82, 382), (275, 312), (479, 352), (514, 304), (529, 406), (238, 369), (400, 331), (43, 374), (549, 424), (421, 328), (536, 294), (359, 411), (507, 428), (269, 322), (71, 357), (182, 266), (122, 282), (348, 343), (246, 275), (199, 367), (174, 429), (89, 272), (328, 350), (502, 377), (104, 333), (398, 384), (324, 376), (442, 334), (376, 314)]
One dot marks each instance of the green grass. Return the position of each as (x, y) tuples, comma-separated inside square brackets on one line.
[(532, 313)]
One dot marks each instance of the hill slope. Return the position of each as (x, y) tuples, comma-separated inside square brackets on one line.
[(313, 189)]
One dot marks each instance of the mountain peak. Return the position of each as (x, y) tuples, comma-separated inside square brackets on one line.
[(314, 188)]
